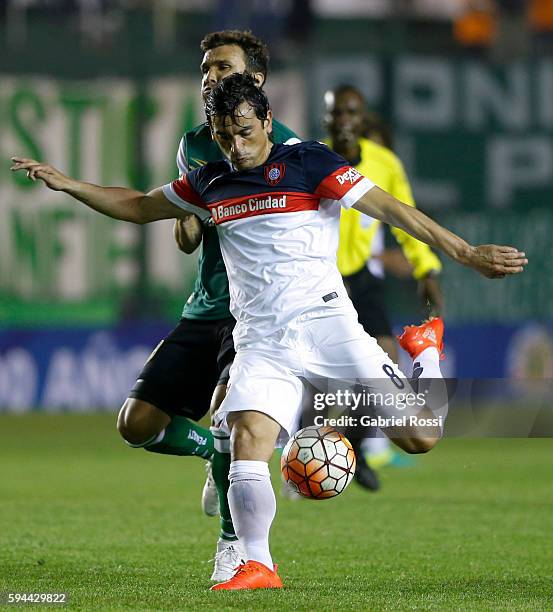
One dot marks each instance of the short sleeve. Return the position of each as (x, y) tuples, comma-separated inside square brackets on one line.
[(183, 194), (182, 163), (329, 175)]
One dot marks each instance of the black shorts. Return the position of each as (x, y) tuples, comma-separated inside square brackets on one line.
[(181, 373), (367, 294)]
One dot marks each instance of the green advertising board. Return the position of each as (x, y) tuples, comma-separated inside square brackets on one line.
[(476, 139), (62, 263), (472, 135)]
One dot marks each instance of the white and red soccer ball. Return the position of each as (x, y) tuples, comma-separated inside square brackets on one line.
[(318, 462)]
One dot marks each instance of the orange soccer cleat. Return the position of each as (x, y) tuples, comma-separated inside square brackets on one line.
[(251, 575), (416, 338)]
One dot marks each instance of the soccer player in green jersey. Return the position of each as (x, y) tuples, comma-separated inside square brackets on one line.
[(188, 371)]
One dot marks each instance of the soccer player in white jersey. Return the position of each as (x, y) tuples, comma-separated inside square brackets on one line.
[(277, 212)]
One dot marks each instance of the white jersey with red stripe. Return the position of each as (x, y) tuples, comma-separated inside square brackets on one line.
[(278, 226)]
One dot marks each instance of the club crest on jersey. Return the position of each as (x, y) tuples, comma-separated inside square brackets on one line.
[(274, 173)]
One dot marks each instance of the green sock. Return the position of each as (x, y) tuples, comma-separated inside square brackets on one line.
[(220, 469), (182, 437)]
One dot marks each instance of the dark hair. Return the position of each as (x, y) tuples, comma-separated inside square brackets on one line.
[(228, 94), (374, 124), (255, 50), (345, 88)]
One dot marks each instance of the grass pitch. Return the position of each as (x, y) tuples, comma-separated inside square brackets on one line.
[(469, 527)]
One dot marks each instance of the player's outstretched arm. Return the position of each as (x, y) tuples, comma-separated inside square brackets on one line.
[(116, 202), (490, 260)]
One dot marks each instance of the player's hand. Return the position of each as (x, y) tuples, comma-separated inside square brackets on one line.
[(431, 295), (496, 261), (188, 233), (52, 178)]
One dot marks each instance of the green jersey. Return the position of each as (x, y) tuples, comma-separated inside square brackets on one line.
[(210, 298)]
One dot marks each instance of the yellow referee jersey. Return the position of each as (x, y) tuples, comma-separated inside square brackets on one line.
[(357, 231)]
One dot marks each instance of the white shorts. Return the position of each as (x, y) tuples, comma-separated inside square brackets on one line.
[(324, 348)]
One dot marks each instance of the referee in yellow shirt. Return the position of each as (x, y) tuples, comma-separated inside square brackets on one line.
[(346, 121)]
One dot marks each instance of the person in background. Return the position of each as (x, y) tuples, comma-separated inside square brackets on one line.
[(361, 256)]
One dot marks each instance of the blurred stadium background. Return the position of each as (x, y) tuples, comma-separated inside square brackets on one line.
[(104, 89)]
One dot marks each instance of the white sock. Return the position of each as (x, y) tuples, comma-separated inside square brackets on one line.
[(429, 361), (252, 506), (430, 382)]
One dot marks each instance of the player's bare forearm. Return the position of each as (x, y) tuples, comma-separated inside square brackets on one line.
[(381, 205), (125, 204), (188, 233), (116, 202), (490, 260)]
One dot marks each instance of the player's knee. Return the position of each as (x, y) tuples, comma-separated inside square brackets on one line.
[(253, 437), (136, 422), (245, 435), (419, 446)]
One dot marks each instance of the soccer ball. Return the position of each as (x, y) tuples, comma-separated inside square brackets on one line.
[(318, 462)]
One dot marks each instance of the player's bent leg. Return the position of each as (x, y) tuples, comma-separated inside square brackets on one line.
[(424, 343), (266, 375), (366, 444), (412, 418), (253, 435), (143, 425), (414, 445), (173, 391), (377, 450), (388, 345), (423, 425), (140, 422), (251, 498), (184, 438)]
